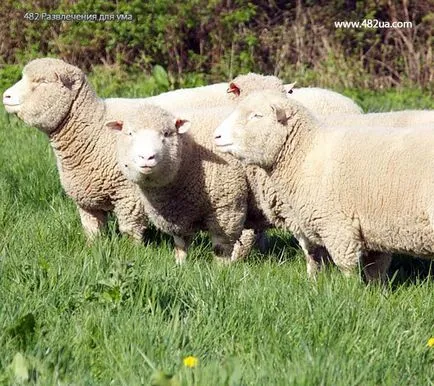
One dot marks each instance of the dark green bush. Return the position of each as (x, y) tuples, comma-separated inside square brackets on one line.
[(222, 38)]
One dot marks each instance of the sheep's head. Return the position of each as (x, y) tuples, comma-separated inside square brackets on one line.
[(45, 93), (256, 130), (244, 85), (149, 146)]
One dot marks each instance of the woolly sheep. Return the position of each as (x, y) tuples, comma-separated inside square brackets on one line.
[(215, 95), (318, 100), (405, 118), (352, 190), (323, 102), (186, 186), (56, 98)]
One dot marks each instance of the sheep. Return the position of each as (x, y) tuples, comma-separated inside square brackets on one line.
[(323, 102), (405, 118), (197, 97), (352, 190), (204, 97), (56, 98), (186, 186)]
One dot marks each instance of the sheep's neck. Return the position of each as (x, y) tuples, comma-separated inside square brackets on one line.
[(83, 123), (290, 160)]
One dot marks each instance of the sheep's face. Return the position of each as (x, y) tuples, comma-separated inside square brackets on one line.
[(45, 93), (256, 131), (150, 154)]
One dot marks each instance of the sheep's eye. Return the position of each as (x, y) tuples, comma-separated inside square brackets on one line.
[(130, 133), (166, 133), (255, 116)]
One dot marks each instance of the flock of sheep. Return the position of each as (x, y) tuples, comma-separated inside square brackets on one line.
[(237, 158)]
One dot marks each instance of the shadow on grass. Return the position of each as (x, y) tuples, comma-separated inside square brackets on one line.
[(410, 270)]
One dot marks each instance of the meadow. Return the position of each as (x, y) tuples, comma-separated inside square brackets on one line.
[(113, 312)]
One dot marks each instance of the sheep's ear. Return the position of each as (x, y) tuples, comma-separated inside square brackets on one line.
[(289, 88), (67, 80), (182, 125), (233, 89), (114, 125), (280, 114)]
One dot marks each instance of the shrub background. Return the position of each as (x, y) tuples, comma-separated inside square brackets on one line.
[(218, 39)]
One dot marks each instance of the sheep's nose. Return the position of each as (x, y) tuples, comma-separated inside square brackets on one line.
[(150, 158), (6, 97), (146, 160)]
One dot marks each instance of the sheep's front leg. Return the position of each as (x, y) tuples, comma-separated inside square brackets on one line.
[(314, 254), (131, 218), (181, 247), (244, 245), (93, 221), (226, 228), (346, 250)]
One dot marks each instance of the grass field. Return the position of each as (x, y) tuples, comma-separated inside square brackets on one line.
[(117, 313)]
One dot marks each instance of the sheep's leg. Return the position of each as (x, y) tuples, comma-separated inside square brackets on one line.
[(346, 250), (244, 245), (131, 218), (226, 227), (314, 255), (181, 247), (246, 242), (92, 221), (375, 266)]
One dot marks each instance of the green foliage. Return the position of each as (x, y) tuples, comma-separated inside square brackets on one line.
[(390, 100), (9, 75), (222, 39)]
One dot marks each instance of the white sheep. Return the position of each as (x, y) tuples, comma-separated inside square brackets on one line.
[(404, 118), (204, 97), (195, 97), (323, 102), (352, 190), (186, 186), (56, 98)]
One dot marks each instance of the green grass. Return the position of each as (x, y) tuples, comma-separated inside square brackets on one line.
[(117, 313)]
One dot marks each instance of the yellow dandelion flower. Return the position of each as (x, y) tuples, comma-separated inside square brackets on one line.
[(430, 342), (191, 361)]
